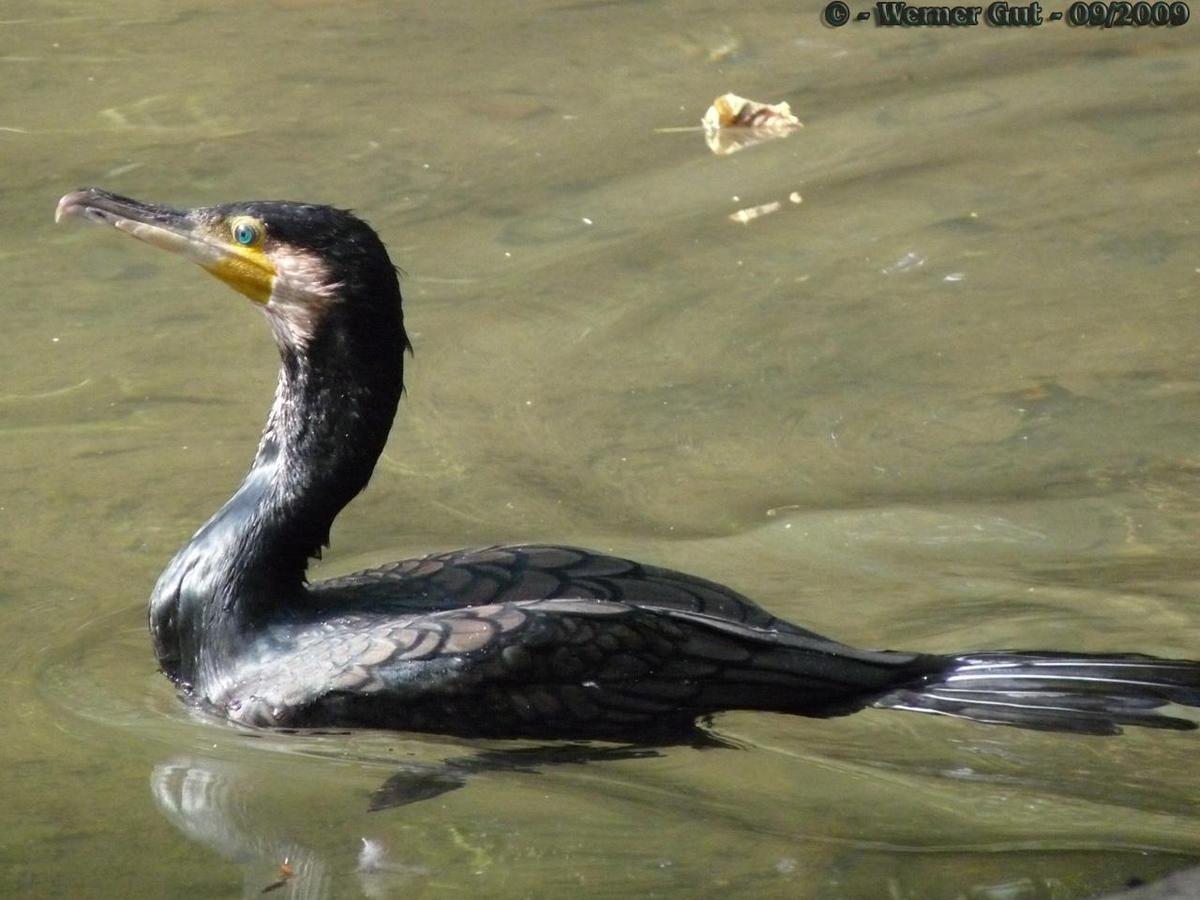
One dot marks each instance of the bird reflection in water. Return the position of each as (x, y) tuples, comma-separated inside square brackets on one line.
[(207, 801)]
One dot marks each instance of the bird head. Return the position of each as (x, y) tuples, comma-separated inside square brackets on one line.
[(308, 267)]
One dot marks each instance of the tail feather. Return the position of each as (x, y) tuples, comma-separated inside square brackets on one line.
[(1052, 691)]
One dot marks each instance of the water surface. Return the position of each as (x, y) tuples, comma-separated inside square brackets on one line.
[(947, 401)]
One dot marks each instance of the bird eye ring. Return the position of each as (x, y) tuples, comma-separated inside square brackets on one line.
[(246, 232)]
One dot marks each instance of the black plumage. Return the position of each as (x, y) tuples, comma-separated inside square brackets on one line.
[(510, 640)]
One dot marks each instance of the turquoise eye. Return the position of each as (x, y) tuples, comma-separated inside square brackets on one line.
[(245, 233)]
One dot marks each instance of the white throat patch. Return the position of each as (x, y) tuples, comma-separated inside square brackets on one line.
[(300, 296)]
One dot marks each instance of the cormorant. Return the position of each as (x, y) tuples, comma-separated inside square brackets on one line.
[(505, 641)]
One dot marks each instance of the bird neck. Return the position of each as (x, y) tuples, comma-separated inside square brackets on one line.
[(325, 432), (328, 424)]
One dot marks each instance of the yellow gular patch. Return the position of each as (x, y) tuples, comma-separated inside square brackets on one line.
[(248, 270), (242, 264)]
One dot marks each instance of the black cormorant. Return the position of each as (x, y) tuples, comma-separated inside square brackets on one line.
[(542, 641)]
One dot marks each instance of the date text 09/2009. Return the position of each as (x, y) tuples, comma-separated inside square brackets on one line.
[(1002, 14)]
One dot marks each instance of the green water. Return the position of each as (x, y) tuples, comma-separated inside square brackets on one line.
[(947, 401)]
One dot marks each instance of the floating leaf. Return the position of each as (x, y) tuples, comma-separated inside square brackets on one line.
[(734, 123)]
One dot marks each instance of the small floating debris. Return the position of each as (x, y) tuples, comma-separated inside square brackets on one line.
[(906, 263), (285, 875), (750, 213), (734, 123)]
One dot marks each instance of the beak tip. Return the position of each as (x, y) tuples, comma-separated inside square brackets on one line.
[(90, 204), (72, 205)]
